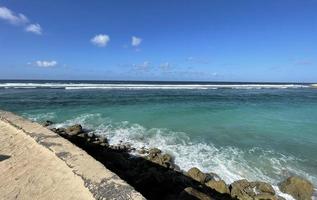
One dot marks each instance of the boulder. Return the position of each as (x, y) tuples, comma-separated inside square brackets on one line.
[(154, 151), (243, 189), (218, 185), (155, 155), (47, 123), (265, 197), (60, 131), (262, 187), (103, 139), (74, 130), (190, 193), (197, 175), (297, 187)]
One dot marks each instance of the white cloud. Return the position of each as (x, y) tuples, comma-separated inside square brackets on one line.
[(45, 63), (34, 28), (136, 41), (165, 66), (144, 66), (20, 20), (100, 40), (9, 16)]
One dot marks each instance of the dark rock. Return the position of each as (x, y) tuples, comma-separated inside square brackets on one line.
[(60, 131), (154, 151), (297, 187), (82, 135), (103, 139), (190, 193), (143, 150), (47, 123), (74, 130)]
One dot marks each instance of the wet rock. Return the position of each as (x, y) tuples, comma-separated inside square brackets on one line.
[(280, 198), (219, 186), (154, 151), (155, 155), (262, 187), (60, 131), (197, 175), (265, 197), (190, 193), (74, 130), (142, 151), (82, 135), (103, 139), (297, 187), (243, 189), (47, 123)]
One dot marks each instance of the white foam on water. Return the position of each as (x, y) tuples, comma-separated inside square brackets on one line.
[(230, 163), (137, 86), (40, 117)]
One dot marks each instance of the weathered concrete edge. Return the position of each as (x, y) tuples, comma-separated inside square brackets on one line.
[(100, 181)]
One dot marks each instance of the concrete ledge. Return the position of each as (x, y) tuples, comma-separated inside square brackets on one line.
[(100, 182)]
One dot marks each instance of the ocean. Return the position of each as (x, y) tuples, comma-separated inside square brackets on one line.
[(257, 131)]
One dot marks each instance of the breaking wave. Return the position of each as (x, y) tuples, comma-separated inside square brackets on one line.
[(229, 162), (136, 86)]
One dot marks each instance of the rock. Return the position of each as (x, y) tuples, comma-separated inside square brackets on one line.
[(243, 189), (219, 186), (190, 193), (142, 151), (155, 155), (82, 135), (60, 131), (47, 123), (262, 187), (265, 197), (299, 188), (74, 130), (103, 139), (280, 198), (197, 175), (213, 176), (154, 151)]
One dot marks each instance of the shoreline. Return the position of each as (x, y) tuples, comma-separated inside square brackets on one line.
[(57, 169), (155, 175)]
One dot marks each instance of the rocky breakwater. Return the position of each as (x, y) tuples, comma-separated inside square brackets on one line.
[(155, 175)]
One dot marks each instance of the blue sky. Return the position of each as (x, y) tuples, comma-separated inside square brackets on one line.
[(206, 40)]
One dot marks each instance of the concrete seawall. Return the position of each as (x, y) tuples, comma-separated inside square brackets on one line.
[(36, 163)]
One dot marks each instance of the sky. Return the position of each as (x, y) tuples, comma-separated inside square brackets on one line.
[(168, 40)]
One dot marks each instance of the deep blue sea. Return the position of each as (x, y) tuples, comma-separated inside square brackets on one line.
[(258, 131)]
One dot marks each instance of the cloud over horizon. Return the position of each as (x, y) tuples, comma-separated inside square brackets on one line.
[(143, 66), (45, 63)]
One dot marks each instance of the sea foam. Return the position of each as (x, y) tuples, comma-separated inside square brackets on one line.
[(230, 163), (137, 86)]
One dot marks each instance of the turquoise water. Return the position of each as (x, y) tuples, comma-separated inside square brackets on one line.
[(258, 133)]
